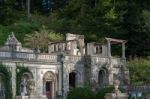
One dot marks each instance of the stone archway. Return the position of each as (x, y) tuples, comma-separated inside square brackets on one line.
[(103, 77), (49, 84), (2, 87)]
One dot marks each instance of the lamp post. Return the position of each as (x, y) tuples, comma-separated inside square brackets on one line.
[(62, 58)]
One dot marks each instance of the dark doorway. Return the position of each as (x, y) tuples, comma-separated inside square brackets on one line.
[(72, 80), (49, 89), (101, 77)]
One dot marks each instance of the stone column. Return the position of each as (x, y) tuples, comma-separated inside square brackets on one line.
[(123, 50), (59, 81), (109, 48), (13, 81), (111, 77)]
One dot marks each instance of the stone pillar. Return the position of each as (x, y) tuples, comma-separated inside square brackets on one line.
[(123, 50), (59, 81), (111, 77), (14, 81), (109, 48)]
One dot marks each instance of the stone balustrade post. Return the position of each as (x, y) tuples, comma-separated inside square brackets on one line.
[(123, 50), (109, 48)]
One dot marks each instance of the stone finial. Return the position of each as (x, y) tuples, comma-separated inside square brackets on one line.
[(12, 34)]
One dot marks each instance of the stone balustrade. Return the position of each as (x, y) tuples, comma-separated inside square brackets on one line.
[(103, 60), (73, 58), (116, 61), (29, 56)]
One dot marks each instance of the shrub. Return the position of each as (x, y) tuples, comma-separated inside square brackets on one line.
[(139, 71), (81, 93), (101, 93)]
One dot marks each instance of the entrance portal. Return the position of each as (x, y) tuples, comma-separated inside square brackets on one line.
[(49, 89), (48, 84)]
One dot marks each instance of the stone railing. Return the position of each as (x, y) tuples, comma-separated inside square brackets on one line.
[(99, 60), (144, 88), (103, 60), (73, 58), (116, 61), (29, 56)]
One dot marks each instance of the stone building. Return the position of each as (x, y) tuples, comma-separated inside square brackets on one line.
[(67, 64)]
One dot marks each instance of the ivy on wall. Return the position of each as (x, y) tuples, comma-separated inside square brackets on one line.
[(7, 81), (20, 70)]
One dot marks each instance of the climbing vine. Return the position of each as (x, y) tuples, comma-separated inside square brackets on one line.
[(7, 81), (20, 70)]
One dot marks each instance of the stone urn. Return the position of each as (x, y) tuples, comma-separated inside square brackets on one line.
[(116, 94), (116, 86)]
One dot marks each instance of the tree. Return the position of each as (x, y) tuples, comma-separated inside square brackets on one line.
[(39, 39), (6, 9), (134, 30), (55, 37)]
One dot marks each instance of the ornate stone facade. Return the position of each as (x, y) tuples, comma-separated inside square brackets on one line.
[(54, 77)]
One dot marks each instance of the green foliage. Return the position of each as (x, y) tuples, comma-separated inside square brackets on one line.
[(20, 28), (55, 37), (135, 30), (81, 93), (4, 32), (95, 19), (101, 93), (139, 71), (39, 39), (7, 81), (6, 9), (109, 89), (147, 96), (20, 70)]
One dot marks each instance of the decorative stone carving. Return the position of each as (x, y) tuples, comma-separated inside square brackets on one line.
[(116, 86), (117, 93), (49, 76), (30, 87)]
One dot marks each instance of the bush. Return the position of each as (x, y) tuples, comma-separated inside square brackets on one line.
[(101, 93), (81, 93), (139, 71)]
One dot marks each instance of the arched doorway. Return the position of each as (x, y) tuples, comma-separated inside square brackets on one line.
[(102, 77), (23, 86), (72, 80), (2, 88), (48, 84)]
